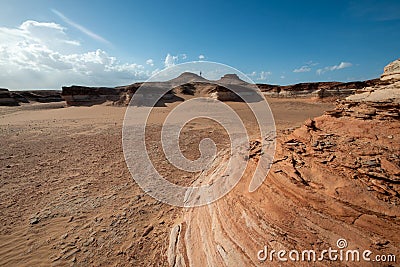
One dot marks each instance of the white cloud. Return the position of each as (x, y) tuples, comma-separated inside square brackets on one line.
[(41, 55), (264, 75), (170, 60), (201, 57), (150, 62), (283, 77), (342, 65), (81, 28), (312, 63), (306, 68), (260, 76), (302, 69), (253, 74)]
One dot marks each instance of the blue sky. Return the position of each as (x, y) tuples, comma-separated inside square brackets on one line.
[(47, 44)]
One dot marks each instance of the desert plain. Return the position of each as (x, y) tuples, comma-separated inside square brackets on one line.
[(68, 199)]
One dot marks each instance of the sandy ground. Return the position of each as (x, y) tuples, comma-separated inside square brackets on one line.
[(67, 198)]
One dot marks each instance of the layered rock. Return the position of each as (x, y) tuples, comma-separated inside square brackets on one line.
[(6, 98), (192, 84), (14, 98), (317, 89), (336, 177), (392, 71), (41, 96), (307, 201), (381, 101), (86, 96)]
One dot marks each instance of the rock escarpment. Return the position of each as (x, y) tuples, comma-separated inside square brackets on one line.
[(392, 71), (15, 98), (191, 84), (82, 95), (317, 89), (6, 98)]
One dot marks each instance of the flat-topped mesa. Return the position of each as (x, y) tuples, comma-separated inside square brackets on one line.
[(231, 79), (187, 77), (392, 71)]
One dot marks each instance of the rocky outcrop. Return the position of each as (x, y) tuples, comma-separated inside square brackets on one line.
[(380, 101), (317, 89), (6, 98), (194, 85), (41, 96), (87, 96), (121, 96), (14, 98), (392, 71), (337, 177), (307, 201)]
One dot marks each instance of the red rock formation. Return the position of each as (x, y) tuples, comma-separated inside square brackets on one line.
[(336, 177)]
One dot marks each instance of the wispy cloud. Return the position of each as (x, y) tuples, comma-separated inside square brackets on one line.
[(305, 68), (170, 60), (302, 69), (260, 76), (150, 62), (342, 65), (81, 28)]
